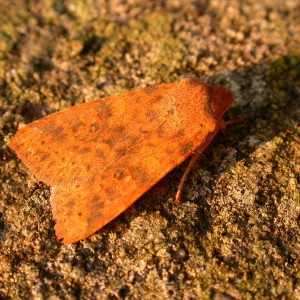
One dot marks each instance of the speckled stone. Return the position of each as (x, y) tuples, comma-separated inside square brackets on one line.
[(236, 233)]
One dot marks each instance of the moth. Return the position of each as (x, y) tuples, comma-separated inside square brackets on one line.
[(100, 157)]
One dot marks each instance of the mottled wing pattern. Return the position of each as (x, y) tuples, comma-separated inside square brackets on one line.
[(101, 156)]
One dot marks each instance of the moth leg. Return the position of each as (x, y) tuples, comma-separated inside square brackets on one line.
[(224, 124), (186, 174)]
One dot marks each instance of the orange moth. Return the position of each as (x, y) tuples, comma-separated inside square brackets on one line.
[(101, 156)]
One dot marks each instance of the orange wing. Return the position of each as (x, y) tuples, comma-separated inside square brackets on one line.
[(101, 156)]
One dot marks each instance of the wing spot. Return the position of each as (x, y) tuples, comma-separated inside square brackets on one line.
[(140, 175), (91, 180), (151, 115), (119, 174), (121, 152), (100, 153), (61, 137), (53, 130), (112, 190), (163, 131), (180, 133), (143, 131), (118, 131), (133, 140), (109, 142), (158, 97), (93, 220), (50, 128), (185, 149), (151, 89), (44, 157), (84, 150), (171, 111), (104, 110), (95, 198), (70, 204), (94, 127), (99, 206), (75, 148)]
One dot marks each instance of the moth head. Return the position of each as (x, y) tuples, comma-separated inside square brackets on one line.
[(220, 100), (217, 99)]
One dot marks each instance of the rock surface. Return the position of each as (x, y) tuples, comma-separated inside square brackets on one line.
[(236, 233)]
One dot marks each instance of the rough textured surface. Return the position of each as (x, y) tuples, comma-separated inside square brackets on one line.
[(236, 233)]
